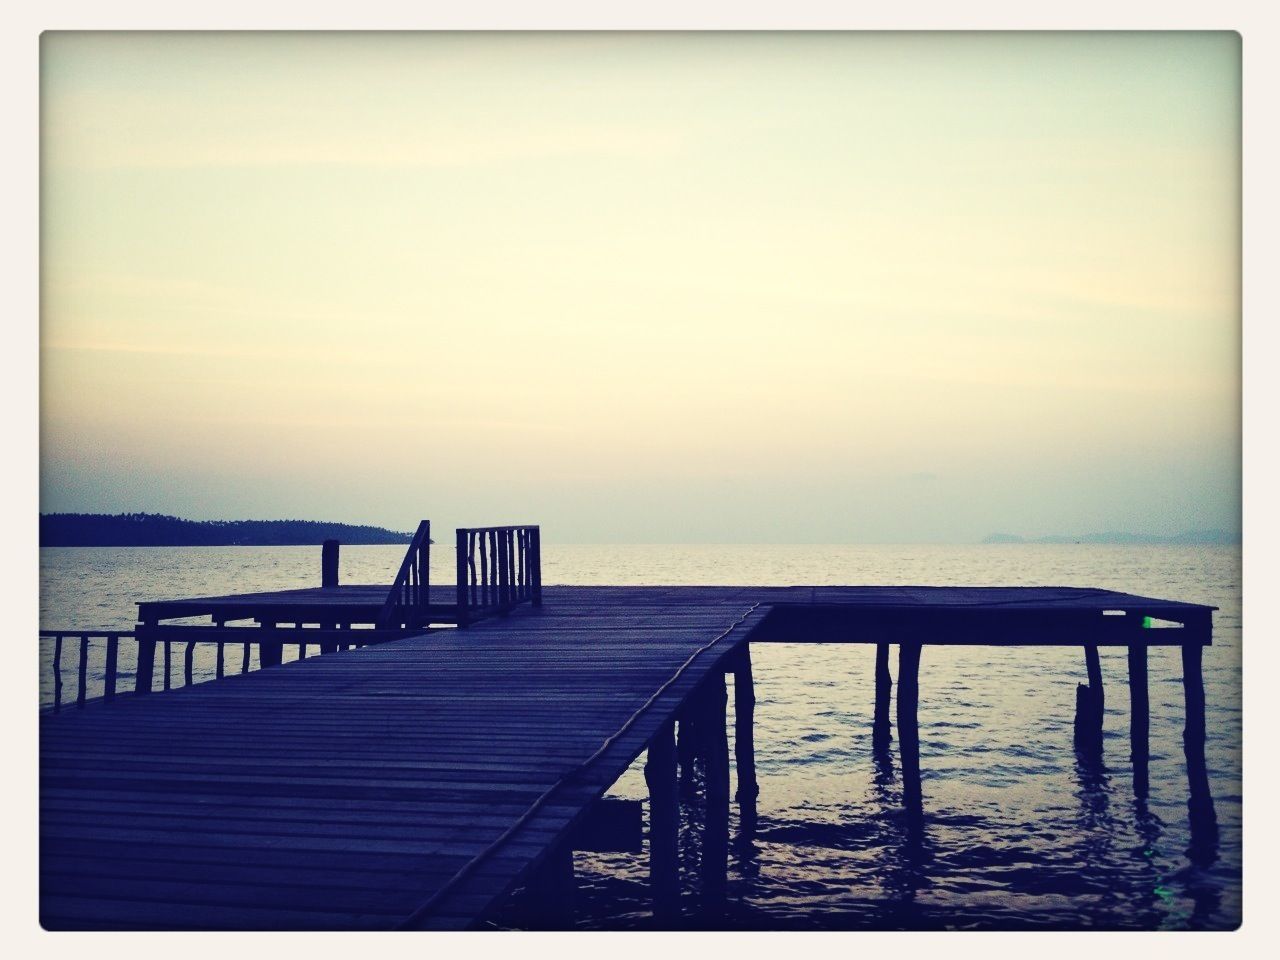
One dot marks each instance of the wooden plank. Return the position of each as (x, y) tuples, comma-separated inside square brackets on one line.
[(355, 755), (436, 771)]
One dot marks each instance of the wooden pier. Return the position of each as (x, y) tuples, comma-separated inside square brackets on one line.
[(414, 782)]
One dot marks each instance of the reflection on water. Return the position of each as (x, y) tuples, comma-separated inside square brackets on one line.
[(1014, 829)]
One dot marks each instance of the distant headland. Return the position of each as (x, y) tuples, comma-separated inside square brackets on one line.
[(1191, 537), (158, 530)]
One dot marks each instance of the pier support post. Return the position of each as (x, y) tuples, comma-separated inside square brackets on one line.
[(664, 823), (1090, 705), (880, 726), (715, 841), (1204, 820), (1139, 718), (329, 563), (744, 747), (688, 748), (908, 725), (144, 674), (552, 893)]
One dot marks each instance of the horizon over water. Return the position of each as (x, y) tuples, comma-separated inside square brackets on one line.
[(1017, 833)]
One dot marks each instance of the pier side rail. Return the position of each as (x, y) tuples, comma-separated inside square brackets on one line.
[(110, 677), (497, 569), (409, 597)]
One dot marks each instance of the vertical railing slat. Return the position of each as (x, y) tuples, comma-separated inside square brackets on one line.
[(84, 670), (109, 674), (57, 673)]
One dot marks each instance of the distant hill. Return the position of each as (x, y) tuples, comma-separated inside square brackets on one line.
[(1200, 537), (157, 530)]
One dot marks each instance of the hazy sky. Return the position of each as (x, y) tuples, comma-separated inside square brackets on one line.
[(809, 287)]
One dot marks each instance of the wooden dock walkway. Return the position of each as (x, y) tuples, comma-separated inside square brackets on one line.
[(417, 781), (347, 791)]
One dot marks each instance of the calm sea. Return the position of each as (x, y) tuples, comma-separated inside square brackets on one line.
[(1017, 834)]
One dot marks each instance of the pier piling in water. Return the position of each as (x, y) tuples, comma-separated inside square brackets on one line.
[(1139, 718), (664, 823), (712, 727), (1204, 820), (1090, 705), (744, 748), (908, 724), (881, 726), (687, 747), (552, 892)]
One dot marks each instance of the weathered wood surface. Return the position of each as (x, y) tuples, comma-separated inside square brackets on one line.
[(357, 789), (348, 790), (1030, 616)]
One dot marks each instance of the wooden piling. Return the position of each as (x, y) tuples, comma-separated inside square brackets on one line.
[(908, 724), (1203, 818), (664, 823), (552, 892), (1090, 705), (688, 748), (1139, 718), (329, 563), (712, 728), (881, 726), (744, 747)]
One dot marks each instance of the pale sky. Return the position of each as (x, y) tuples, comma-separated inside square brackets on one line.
[(646, 287)]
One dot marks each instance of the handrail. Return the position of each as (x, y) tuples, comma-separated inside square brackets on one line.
[(244, 638), (497, 568), (410, 592)]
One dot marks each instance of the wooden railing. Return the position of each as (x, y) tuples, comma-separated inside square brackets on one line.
[(230, 650), (410, 592), (498, 568)]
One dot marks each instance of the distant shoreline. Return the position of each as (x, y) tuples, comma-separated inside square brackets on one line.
[(158, 530), (1213, 538)]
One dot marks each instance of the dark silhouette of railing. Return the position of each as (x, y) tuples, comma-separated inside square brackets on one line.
[(498, 568), (409, 597), (87, 686)]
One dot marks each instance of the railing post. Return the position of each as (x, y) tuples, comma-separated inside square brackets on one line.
[(109, 678), (424, 552), (84, 670), (535, 565), (145, 673), (270, 651), (57, 673), (463, 540), (329, 563), (500, 545)]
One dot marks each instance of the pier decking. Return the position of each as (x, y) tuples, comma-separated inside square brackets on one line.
[(416, 781)]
